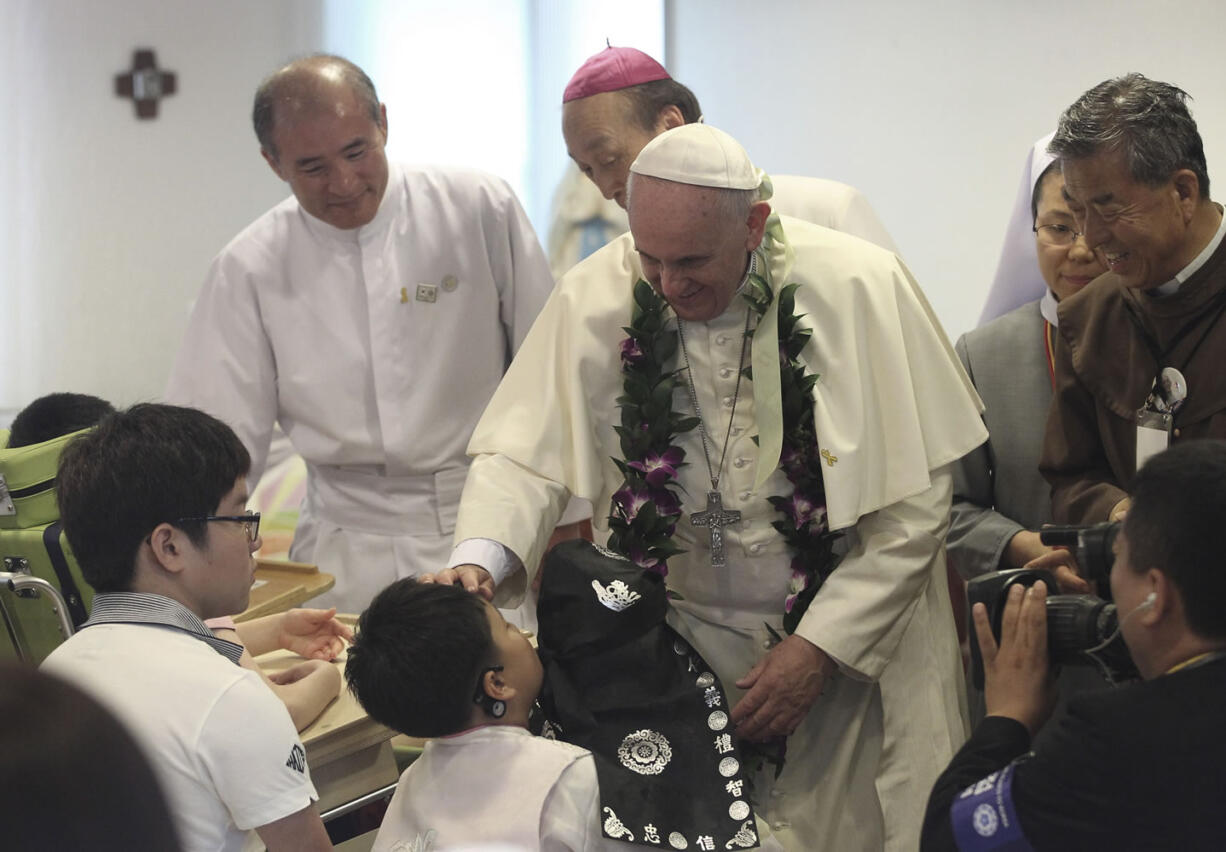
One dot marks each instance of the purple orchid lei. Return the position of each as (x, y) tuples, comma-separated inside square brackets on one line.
[(644, 511)]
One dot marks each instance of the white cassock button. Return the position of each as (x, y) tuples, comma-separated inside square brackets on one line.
[(721, 339), (725, 372), (755, 548), (781, 825), (727, 402), (745, 495), (741, 462), (736, 430)]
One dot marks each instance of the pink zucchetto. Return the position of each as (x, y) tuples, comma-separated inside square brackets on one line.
[(699, 155), (612, 69)]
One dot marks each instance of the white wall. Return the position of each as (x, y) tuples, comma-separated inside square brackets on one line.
[(108, 223), (930, 108)]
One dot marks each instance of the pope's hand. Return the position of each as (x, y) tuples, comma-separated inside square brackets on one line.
[(781, 689), (1119, 510), (313, 633), (473, 578)]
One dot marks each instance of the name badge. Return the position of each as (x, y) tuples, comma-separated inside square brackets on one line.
[(1153, 434)]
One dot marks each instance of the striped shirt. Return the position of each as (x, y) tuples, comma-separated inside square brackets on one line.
[(146, 608)]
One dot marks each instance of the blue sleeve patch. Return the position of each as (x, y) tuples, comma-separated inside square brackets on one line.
[(984, 818)]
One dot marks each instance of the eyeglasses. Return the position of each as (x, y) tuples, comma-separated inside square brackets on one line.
[(250, 522), (1060, 236)]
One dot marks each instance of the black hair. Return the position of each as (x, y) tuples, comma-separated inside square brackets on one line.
[(54, 415), (145, 466), (73, 777), (287, 87), (1146, 119), (417, 657), (1174, 523), (648, 99), (1052, 168)]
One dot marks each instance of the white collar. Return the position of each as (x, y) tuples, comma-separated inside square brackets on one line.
[(1047, 307), (1171, 287)]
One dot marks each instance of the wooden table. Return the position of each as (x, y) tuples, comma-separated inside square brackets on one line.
[(281, 585)]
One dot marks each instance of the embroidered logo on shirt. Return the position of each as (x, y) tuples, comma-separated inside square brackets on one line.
[(985, 820), (297, 759), (617, 596)]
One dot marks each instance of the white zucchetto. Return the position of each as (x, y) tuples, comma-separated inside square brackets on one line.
[(699, 155)]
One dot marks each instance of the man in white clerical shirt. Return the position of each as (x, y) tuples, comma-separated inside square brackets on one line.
[(780, 385), (371, 315), (621, 98)]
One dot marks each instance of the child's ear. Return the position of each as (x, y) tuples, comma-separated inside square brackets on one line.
[(496, 686)]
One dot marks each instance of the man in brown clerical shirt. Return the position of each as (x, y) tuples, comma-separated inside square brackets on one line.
[(1137, 361)]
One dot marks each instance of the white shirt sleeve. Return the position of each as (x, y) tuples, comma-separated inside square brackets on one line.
[(496, 558), (862, 610), (252, 753), (570, 818), (225, 365)]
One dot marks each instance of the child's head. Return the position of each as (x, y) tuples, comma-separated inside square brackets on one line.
[(54, 415), (431, 660), (141, 469)]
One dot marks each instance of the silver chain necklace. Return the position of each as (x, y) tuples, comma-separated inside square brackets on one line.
[(716, 517)]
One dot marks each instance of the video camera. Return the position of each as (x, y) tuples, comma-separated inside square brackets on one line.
[(1081, 629)]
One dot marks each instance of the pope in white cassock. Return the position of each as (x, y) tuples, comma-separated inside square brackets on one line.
[(868, 686), (371, 315)]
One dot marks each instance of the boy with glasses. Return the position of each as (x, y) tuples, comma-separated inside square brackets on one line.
[(153, 505)]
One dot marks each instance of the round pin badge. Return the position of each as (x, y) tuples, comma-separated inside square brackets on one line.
[(450, 282), (1174, 387)]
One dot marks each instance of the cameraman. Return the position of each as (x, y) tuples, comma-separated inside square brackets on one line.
[(1137, 767)]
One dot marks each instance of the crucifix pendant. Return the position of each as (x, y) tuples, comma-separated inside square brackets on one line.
[(716, 517)]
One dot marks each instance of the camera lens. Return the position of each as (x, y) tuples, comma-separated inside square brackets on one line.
[(1072, 626)]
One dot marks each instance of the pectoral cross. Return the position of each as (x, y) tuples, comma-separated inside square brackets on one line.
[(716, 517)]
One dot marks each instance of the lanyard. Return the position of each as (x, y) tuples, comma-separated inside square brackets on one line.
[(1217, 305), (1197, 661)]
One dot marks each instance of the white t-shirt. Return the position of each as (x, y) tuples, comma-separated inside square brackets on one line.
[(221, 743)]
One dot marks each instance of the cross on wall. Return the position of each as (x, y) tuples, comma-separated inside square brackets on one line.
[(145, 84)]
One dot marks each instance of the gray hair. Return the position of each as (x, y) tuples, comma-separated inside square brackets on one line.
[(1146, 119), (299, 85), (732, 204)]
